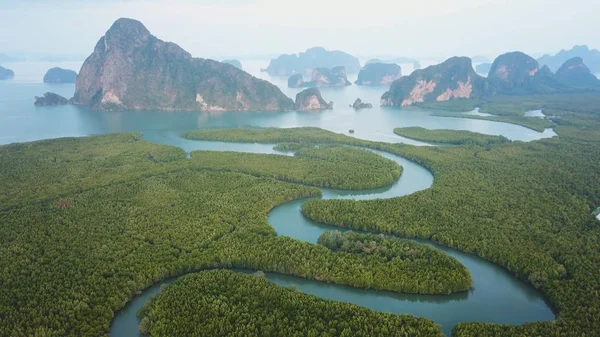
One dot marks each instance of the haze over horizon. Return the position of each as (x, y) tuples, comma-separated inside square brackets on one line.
[(208, 28)]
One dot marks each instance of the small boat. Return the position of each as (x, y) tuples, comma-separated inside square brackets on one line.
[(351, 131)]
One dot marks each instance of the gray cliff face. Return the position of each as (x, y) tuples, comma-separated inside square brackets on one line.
[(50, 99), (310, 99), (379, 74), (132, 70), (6, 74), (60, 75), (452, 79)]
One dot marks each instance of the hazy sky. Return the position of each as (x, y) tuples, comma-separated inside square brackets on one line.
[(212, 28)]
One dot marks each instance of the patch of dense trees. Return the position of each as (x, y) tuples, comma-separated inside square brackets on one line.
[(454, 137), (224, 303), (338, 167), (89, 222), (416, 258)]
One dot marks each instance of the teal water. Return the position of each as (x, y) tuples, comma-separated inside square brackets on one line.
[(496, 296), (21, 121)]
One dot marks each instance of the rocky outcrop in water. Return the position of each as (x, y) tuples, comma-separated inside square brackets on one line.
[(452, 79), (511, 72), (50, 99), (130, 69), (575, 73), (591, 57), (320, 78), (234, 63), (60, 75), (311, 99), (6, 74), (359, 104), (305, 63), (379, 74)]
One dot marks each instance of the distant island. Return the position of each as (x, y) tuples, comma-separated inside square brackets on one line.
[(60, 75), (321, 77), (130, 69), (316, 57), (591, 57), (310, 99), (396, 60), (234, 63), (6, 74), (483, 68), (513, 73), (379, 74)]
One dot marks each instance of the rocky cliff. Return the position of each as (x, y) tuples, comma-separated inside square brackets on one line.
[(452, 79), (316, 57), (60, 75), (379, 74), (131, 69), (321, 77), (311, 99), (575, 73), (6, 74), (49, 99), (511, 72)]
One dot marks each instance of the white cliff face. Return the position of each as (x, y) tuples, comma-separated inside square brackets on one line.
[(419, 92)]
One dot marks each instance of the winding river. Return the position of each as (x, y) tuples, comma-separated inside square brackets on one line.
[(495, 297)]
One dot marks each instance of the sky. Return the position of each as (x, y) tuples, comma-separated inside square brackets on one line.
[(212, 28)]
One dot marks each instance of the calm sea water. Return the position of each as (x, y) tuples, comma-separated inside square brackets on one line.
[(496, 296), (21, 121)]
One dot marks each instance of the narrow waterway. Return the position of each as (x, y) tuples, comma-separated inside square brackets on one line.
[(496, 296)]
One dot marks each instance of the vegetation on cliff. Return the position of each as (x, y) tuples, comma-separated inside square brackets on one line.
[(452, 79)]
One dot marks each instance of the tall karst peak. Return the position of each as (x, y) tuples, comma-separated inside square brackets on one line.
[(130, 69)]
